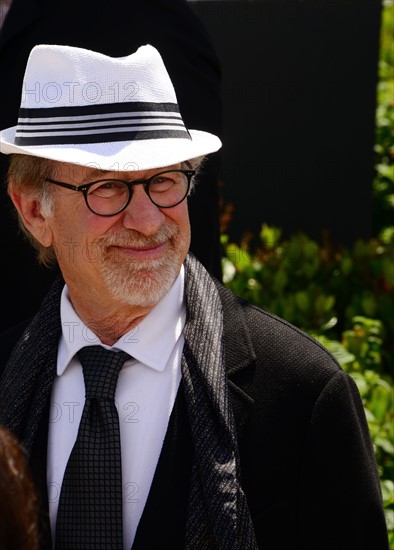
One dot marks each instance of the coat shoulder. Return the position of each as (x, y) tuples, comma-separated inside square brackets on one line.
[(278, 347)]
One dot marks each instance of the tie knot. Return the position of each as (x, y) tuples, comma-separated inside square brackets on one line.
[(101, 369)]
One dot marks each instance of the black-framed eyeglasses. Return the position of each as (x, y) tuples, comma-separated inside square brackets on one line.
[(108, 197)]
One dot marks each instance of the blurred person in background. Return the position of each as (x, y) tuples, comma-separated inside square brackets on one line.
[(18, 502)]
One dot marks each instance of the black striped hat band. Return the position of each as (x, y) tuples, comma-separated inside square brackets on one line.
[(99, 123)]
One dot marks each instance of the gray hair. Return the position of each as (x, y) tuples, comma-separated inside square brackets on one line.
[(27, 173)]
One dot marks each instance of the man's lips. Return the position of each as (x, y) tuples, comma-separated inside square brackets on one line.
[(151, 251)]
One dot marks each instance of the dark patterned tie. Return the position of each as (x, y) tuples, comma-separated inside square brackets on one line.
[(90, 507)]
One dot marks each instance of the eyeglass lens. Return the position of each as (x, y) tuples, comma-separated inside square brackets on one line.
[(109, 196)]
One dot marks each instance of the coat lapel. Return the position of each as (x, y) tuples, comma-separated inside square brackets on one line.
[(239, 357)]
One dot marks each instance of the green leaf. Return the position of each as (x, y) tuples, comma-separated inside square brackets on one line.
[(302, 300), (387, 486), (280, 281), (385, 444), (270, 236), (228, 270), (368, 303), (346, 265), (389, 519), (340, 353)]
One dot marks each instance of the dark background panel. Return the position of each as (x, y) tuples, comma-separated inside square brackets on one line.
[(299, 98)]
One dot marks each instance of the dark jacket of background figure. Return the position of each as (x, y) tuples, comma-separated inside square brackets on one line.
[(115, 28), (308, 467)]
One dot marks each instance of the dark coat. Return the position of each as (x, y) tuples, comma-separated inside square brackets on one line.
[(115, 28), (308, 467)]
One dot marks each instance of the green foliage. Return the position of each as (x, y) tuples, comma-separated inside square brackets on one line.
[(361, 354), (383, 185), (316, 287)]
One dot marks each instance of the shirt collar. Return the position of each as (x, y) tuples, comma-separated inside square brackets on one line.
[(150, 342)]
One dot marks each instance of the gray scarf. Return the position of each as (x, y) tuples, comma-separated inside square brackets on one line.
[(218, 515)]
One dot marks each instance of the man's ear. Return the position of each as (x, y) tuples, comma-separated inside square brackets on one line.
[(31, 212)]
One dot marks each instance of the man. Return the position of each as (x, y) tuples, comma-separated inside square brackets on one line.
[(232, 429), (175, 30)]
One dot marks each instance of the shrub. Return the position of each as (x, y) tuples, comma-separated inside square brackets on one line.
[(316, 287)]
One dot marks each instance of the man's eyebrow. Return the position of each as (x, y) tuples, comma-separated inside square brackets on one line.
[(95, 173)]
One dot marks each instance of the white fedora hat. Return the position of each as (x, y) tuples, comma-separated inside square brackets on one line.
[(86, 108)]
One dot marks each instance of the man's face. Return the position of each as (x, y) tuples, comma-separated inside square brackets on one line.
[(132, 257)]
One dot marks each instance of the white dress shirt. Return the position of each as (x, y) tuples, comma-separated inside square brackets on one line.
[(145, 396)]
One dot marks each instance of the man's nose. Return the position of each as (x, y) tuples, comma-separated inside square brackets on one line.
[(141, 214)]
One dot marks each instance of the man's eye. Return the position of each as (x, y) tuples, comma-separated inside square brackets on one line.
[(107, 188), (161, 183)]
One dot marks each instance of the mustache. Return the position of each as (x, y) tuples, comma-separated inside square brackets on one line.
[(132, 238)]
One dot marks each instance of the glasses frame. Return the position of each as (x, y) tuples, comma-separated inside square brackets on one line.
[(84, 188)]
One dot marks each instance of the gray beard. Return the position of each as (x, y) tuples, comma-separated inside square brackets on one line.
[(141, 283)]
